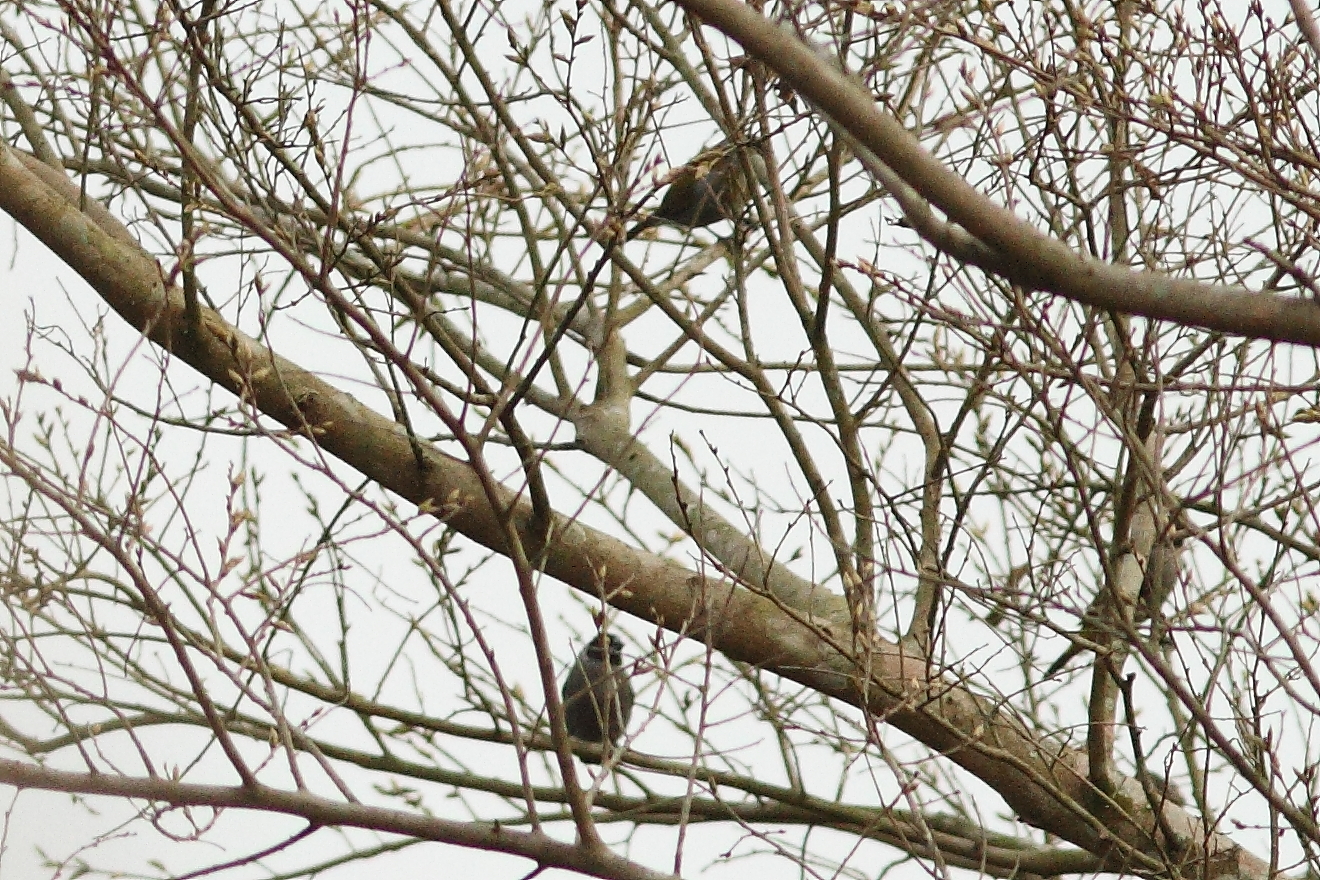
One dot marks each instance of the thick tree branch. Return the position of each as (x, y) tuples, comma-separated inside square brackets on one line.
[(537, 846)]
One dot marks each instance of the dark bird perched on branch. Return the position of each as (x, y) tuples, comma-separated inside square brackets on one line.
[(710, 188), (598, 697)]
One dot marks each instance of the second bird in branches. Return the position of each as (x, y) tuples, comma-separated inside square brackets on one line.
[(713, 186)]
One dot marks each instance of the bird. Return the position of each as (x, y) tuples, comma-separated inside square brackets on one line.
[(1163, 570), (597, 694), (711, 187)]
